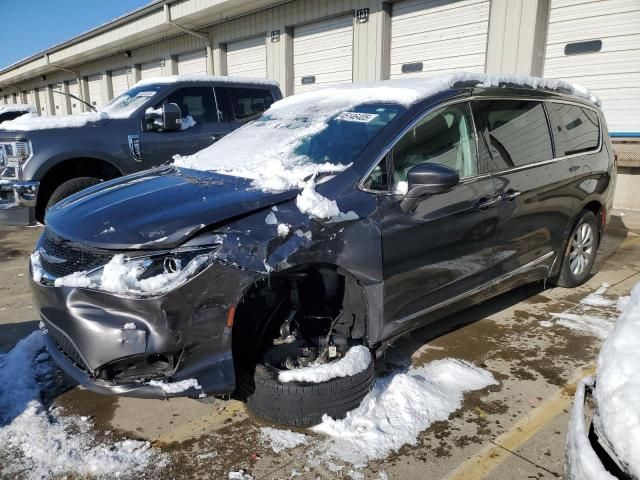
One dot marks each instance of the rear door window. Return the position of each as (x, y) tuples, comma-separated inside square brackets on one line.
[(576, 129), (517, 132), (243, 104)]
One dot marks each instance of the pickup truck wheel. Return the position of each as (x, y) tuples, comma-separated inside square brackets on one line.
[(70, 187), (301, 403), (580, 253)]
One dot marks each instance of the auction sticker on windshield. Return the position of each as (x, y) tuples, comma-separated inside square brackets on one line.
[(356, 117), (145, 94)]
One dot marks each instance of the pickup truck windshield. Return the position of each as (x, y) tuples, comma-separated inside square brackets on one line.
[(292, 141), (126, 103)]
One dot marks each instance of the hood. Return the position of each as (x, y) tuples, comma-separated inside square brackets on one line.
[(32, 122), (156, 209)]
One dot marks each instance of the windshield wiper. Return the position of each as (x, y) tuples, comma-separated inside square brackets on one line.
[(76, 98)]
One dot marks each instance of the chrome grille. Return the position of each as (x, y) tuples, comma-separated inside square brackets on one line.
[(68, 257)]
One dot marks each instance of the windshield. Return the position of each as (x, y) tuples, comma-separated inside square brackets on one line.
[(125, 104), (287, 145)]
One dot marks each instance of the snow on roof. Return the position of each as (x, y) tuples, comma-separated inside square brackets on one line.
[(618, 385), (17, 107), (206, 78), (31, 121)]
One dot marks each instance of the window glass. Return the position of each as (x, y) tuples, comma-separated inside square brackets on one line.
[(445, 137), (577, 129), (518, 133), (243, 104), (197, 102)]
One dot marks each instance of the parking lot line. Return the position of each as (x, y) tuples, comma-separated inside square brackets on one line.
[(486, 460)]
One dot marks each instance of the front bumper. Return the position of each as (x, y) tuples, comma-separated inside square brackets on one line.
[(86, 334), (18, 201)]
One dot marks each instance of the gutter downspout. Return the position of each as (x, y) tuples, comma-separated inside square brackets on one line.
[(195, 33)]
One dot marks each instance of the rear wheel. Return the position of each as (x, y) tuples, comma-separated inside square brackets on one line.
[(580, 253)]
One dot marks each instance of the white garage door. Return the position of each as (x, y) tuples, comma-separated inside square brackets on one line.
[(150, 70), (95, 90), (59, 100), (430, 37), (323, 53), (194, 63), (247, 58), (42, 99), (598, 45), (119, 81), (74, 89)]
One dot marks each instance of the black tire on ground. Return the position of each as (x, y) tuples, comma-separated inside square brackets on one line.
[(568, 278), (70, 187), (302, 404)]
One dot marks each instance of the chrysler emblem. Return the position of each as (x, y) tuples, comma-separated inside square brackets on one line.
[(50, 258)]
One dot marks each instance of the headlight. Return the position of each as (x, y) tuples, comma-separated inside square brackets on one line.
[(144, 275), (16, 151)]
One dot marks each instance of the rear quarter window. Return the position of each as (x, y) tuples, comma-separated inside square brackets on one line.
[(576, 129)]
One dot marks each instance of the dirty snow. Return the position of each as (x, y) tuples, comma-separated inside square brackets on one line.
[(280, 440), (400, 407), (355, 361), (596, 298), (589, 324), (618, 385), (176, 387), (30, 122), (240, 475), (42, 442)]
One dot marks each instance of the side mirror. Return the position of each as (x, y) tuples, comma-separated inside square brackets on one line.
[(166, 118), (428, 179)]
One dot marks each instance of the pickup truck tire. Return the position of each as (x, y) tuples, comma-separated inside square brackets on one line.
[(302, 404), (70, 187)]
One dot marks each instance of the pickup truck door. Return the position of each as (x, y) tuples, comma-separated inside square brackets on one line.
[(197, 103)]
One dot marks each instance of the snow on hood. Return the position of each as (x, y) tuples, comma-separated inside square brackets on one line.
[(265, 151), (617, 391), (17, 107), (31, 121)]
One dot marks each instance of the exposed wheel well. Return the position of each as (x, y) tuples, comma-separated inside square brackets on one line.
[(595, 207), (68, 169), (320, 293)]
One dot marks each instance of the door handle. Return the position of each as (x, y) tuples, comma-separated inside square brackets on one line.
[(509, 195), (485, 202)]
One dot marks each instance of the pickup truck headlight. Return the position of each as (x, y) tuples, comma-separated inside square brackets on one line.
[(144, 275), (17, 152)]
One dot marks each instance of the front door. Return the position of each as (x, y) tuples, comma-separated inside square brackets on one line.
[(442, 249), (201, 127)]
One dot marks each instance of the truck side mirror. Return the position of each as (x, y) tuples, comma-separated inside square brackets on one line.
[(166, 118)]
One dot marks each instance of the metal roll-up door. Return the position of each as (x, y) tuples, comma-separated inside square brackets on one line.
[(247, 58), (95, 90), (194, 63), (119, 81), (42, 99), (150, 70), (430, 37), (598, 46), (323, 53), (59, 100), (74, 89)]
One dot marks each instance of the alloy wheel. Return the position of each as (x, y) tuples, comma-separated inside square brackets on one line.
[(582, 249)]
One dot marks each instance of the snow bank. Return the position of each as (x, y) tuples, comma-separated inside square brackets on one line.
[(280, 440), (617, 390), (582, 461), (42, 443), (33, 122), (355, 361), (399, 408)]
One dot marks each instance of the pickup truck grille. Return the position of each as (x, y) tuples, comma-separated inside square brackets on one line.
[(60, 257)]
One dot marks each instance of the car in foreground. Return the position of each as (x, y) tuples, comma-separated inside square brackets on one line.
[(274, 262), (49, 158)]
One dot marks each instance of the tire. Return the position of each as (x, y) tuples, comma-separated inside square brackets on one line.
[(302, 404), (573, 274), (70, 187)]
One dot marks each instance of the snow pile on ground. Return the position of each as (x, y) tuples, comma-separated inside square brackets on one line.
[(399, 408), (176, 387), (596, 298), (589, 324), (355, 361), (582, 461), (40, 442), (280, 440), (33, 122), (617, 390)]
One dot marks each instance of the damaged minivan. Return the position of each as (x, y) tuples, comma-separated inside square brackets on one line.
[(279, 262)]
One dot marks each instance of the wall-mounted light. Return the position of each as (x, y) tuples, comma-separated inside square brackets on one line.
[(127, 54)]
